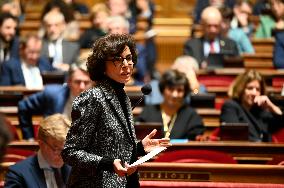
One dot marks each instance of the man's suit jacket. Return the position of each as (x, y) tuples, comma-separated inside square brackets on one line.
[(188, 123), (70, 51), (194, 48), (27, 173), (14, 48), (47, 102), (261, 122), (12, 73), (100, 129), (278, 52)]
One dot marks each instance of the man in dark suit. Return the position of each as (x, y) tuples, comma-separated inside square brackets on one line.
[(27, 69), (53, 99), (61, 53), (211, 41), (9, 42), (45, 169)]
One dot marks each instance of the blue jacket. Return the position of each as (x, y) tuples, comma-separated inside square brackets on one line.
[(47, 102), (278, 52), (12, 73), (27, 173)]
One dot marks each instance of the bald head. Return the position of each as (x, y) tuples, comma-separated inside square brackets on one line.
[(211, 19)]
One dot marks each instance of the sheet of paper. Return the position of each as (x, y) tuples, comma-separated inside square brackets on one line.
[(148, 156)]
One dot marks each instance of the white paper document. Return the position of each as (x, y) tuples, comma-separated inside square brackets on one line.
[(148, 156)]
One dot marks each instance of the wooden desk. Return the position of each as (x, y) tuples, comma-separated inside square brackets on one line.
[(242, 173), (243, 152)]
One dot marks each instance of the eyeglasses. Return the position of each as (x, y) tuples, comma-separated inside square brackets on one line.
[(120, 61), (54, 149)]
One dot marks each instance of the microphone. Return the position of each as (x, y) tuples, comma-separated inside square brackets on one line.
[(146, 90)]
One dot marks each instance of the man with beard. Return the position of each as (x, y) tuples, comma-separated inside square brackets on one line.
[(9, 42)]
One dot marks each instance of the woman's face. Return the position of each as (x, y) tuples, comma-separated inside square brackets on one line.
[(173, 96), (252, 90), (120, 68)]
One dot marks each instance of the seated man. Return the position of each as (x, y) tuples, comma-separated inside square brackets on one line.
[(53, 99), (62, 53), (27, 69), (9, 42), (46, 169), (211, 41)]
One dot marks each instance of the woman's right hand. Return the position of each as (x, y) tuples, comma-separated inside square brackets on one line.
[(118, 168)]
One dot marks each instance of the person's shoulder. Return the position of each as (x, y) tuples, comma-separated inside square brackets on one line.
[(24, 164), (54, 88), (91, 94), (231, 103), (194, 40)]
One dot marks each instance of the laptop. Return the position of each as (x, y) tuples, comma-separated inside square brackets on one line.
[(215, 60), (234, 131), (202, 100)]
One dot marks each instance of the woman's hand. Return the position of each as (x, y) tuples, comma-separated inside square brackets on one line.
[(130, 170), (118, 168), (150, 144), (264, 102)]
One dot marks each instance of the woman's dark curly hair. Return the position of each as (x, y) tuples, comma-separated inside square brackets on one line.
[(107, 47), (172, 78)]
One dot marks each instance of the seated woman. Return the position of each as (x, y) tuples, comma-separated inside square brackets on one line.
[(249, 104), (180, 121)]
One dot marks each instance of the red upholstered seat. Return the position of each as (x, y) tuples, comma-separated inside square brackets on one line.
[(195, 156), (278, 136), (15, 155)]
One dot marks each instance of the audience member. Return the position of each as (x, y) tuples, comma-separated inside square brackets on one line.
[(278, 52), (27, 69), (77, 7), (72, 30), (14, 7), (236, 34), (46, 168), (120, 25), (249, 104), (242, 10), (53, 99), (201, 5), (273, 21), (9, 42), (61, 52), (211, 41), (5, 136), (98, 17), (185, 64), (180, 121)]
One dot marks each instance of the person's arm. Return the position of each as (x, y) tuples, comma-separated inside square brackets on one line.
[(34, 104), (5, 77), (246, 44), (195, 125), (14, 179), (278, 52), (229, 113)]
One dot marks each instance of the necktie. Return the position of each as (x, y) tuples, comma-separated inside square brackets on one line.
[(212, 50), (58, 178)]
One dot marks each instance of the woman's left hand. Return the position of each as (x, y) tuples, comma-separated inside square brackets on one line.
[(150, 144)]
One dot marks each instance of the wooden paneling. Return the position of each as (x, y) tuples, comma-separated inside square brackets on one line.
[(174, 8)]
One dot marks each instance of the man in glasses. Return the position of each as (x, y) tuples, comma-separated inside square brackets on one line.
[(53, 99), (46, 168)]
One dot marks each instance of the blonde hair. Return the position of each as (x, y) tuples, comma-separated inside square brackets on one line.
[(186, 60), (55, 126), (238, 86), (99, 7)]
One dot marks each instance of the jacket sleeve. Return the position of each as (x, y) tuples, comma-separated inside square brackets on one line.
[(278, 53), (14, 179), (34, 104), (229, 113), (196, 124), (5, 79), (86, 113)]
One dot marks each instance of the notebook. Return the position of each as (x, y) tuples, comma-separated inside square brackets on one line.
[(234, 131)]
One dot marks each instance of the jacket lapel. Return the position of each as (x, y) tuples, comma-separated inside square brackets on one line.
[(38, 174), (117, 109)]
